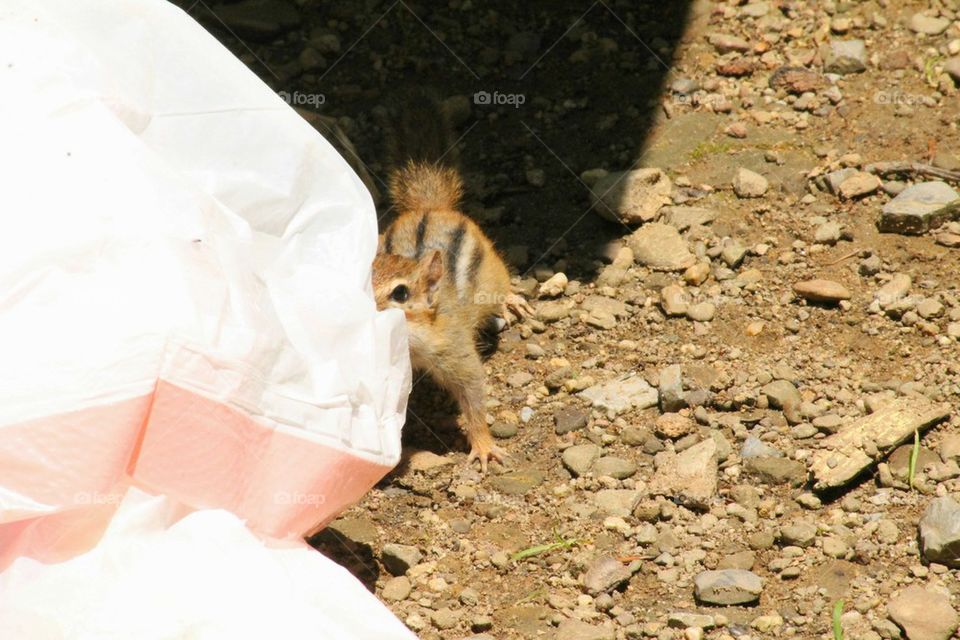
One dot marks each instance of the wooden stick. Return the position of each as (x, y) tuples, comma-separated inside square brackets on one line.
[(912, 168), (846, 256)]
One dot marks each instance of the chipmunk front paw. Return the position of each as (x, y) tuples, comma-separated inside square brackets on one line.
[(515, 308), (484, 452)]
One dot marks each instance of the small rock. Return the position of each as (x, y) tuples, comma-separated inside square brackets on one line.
[(834, 179), (660, 247), (690, 476), (396, 589), (845, 57), (749, 184), (725, 43), (821, 291), (519, 379), (674, 300), (617, 502), (517, 482), (733, 254), (398, 558), (923, 613), (503, 430), (671, 389), (554, 286), (827, 233), (800, 533), (579, 458), (727, 587), (858, 184), (894, 291), (796, 80), (567, 419), (605, 574), (444, 618), (674, 426), (702, 312), (622, 394), (554, 310), (928, 25), (781, 393), (632, 197), (929, 308), (919, 208), (683, 217), (777, 471), (614, 467), (940, 532)]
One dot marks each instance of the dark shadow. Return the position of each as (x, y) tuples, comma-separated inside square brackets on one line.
[(355, 557), (548, 90)]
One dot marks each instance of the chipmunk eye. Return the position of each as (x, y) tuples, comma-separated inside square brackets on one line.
[(400, 293)]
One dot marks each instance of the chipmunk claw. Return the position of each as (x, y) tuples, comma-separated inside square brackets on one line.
[(486, 452), (516, 308)]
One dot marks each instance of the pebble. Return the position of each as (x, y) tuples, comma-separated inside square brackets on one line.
[(918, 208), (396, 589), (614, 467), (670, 385), (503, 430), (820, 290), (604, 574), (733, 254), (728, 587), (632, 197), (725, 43), (940, 532), (579, 458), (569, 419), (517, 482), (554, 286), (923, 613), (928, 25), (690, 476), (781, 393), (702, 312), (827, 233), (697, 274), (660, 247), (674, 426), (894, 291), (858, 184), (444, 618), (674, 300), (399, 558), (749, 184), (846, 57), (796, 80), (620, 395), (617, 502)]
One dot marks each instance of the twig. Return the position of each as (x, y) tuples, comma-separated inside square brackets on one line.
[(846, 256), (912, 168)]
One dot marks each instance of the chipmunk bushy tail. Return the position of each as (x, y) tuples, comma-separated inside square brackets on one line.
[(423, 156)]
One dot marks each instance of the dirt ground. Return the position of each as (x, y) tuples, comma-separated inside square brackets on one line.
[(693, 89)]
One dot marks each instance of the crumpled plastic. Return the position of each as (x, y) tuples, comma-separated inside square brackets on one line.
[(191, 355)]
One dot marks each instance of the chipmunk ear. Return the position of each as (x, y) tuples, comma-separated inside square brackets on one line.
[(432, 274)]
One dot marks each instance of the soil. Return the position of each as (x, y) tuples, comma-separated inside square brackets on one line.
[(622, 85)]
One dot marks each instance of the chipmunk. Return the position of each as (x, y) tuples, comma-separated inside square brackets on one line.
[(439, 267)]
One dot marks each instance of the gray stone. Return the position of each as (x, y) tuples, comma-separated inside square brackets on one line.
[(919, 208), (398, 558), (632, 392), (834, 179), (754, 447), (554, 310), (671, 389), (928, 25), (846, 56), (567, 419), (781, 393), (940, 532), (749, 184), (777, 470), (617, 502), (605, 574), (503, 430), (727, 587), (690, 476), (660, 247), (614, 467), (923, 613), (579, 458), (396, 589), (800, 533), (632, 197), (572, 629), (733, 254)]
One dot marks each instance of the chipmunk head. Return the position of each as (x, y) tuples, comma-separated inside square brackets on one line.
[(411, 285)]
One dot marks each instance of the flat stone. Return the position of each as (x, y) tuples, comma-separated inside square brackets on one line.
[(776, 471), (800, 533), (632, 392), (690, 476), (567, 419), (519, 378), (554, 310), (632, 197), (396, 589), (579, 458), (893, 291), (614, 467), (820, 290), (683, 217), (617, 502), (754, 447), (399, 558), (725, 43), (749, 184), (919, 208), (660, 247), (928, 25), (834, 179), (444, 618), (684, 620), (727, 587), (845, 57), (923, 613), (796, 80), (595, 303), (940, 532), (517, 482), (844, 455), (425, 461), (858, 184), (702, 312), (605, 574), (572, 629)]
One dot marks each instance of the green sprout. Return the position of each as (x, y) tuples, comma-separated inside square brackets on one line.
[(529, 552), (914, 454), (837, 612)]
